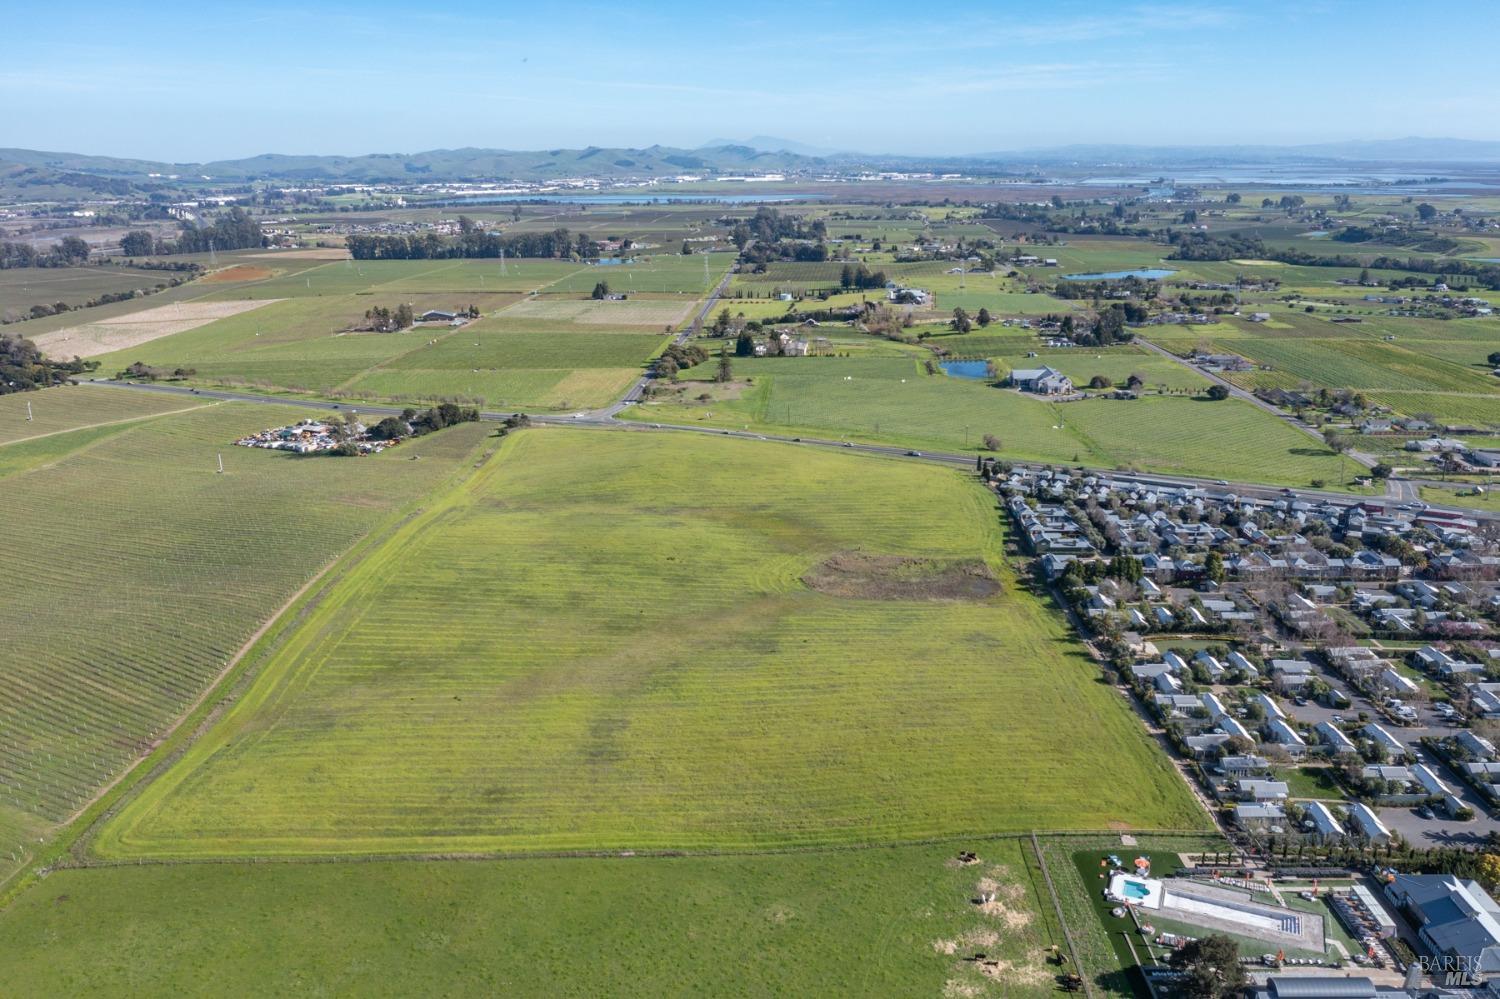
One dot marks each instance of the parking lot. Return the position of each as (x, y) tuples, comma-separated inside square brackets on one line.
[(1435, 832)]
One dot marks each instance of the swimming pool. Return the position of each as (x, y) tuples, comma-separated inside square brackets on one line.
[(1134, 890)]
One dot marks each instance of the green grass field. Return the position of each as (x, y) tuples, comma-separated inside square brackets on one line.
[(603, 642), (23, 287), (551, 351), (71, 408), (1361, 363), (1462, 496), (892, 400), (158, 569), (660, 272), (890, 921)]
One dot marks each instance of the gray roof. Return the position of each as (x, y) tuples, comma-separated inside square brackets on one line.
[(1309, 987), (1458, 916), (1317, 987)]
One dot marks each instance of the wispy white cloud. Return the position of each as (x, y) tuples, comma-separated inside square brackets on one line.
[(1025, 78)]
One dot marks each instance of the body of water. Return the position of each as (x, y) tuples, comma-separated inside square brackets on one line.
[(1144, 273), (623, 199), (966, 369)]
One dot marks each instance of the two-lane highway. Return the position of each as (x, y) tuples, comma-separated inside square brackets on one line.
[(605, 419)]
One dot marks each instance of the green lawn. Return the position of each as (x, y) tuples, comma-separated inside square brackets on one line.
[(1310, 782), (602, 641), (1073, 862), (1463, 496), (862, 923)]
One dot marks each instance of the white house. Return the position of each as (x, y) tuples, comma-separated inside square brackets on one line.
[(1333, 737), (1369, 823), (1392, 745), (1323, 819), (1284, 735)]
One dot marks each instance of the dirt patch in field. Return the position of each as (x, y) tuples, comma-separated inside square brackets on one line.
[(1002, 899), (240, 272), (137, 328), (857, 576), (978, 969), (967, 941), (1031, 972)]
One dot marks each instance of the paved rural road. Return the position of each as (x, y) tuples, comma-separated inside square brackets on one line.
[(605, 419), (1252, 398), (634, 393)]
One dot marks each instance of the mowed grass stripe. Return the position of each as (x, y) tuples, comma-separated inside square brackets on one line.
[(602, 641)]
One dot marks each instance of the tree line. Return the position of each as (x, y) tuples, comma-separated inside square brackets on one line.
[(70, 251), (473, 244), (382, 319), (861, 277), (1234, 246), (23, 368)]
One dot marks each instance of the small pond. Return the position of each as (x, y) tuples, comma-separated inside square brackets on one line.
[(1144, 273), (966, 369)]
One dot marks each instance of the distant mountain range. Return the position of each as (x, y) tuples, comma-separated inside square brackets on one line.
[(39, 175), (1410, 150), (771, 144), (434, 165)]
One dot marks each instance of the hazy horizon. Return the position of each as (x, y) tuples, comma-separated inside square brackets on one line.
[(345, 80)]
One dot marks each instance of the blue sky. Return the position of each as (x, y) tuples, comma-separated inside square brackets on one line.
[(209, 81)]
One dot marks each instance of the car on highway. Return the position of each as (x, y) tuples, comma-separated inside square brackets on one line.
[(914, 454), (848, 444)]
